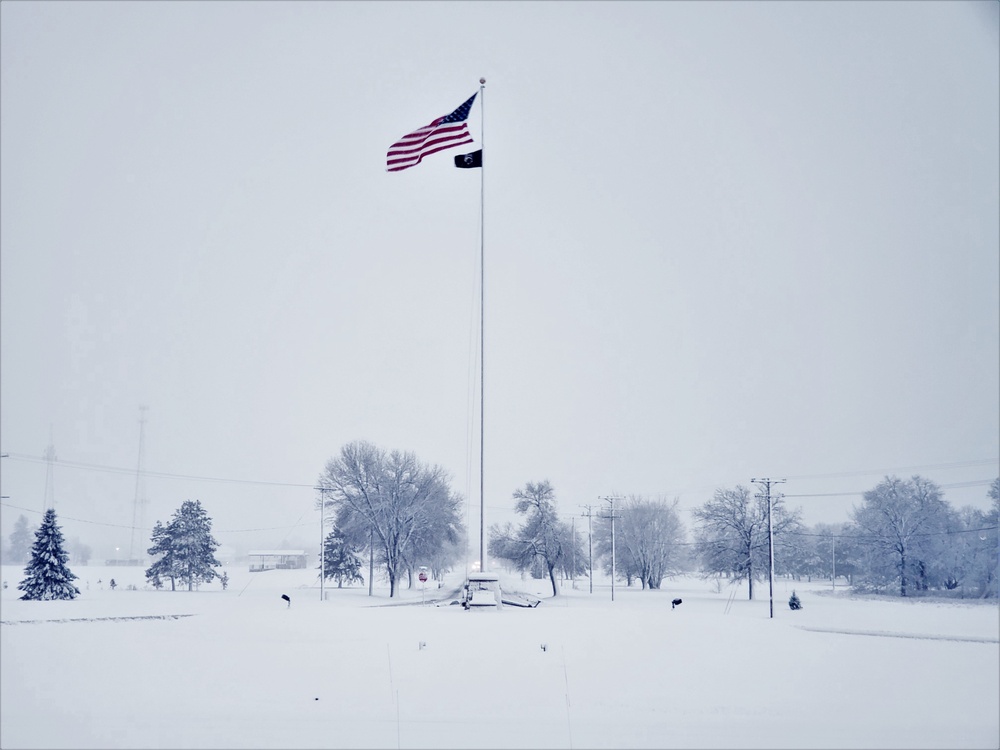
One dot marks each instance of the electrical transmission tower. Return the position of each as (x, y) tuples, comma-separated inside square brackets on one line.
[(139, 503), (50, 462)]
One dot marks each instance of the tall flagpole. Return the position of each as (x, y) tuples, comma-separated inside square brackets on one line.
[(482, 326)]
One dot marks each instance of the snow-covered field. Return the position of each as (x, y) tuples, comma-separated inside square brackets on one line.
[(115, 669)]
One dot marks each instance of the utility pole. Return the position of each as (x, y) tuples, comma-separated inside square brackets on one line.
[(322, 541), (834, 561), (766, 482), (572, 573), (590, 543), (611, 499)]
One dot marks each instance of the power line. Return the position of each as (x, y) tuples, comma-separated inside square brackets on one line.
[(675, 544), (195, 477), (158, 474), (863, 472), (124, 526), (948, 486), (833, 475), (856, 537), (873, 538), (952, 465)]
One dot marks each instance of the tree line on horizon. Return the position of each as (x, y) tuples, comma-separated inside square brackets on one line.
[(904, 536), (402, 514)]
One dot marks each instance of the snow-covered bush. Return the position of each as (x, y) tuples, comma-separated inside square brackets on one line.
[(47, 576)]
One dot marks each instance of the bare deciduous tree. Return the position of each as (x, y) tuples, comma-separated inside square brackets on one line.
[(406, 506), (732, 533), (648, 540), (900, 518), (543, 540)]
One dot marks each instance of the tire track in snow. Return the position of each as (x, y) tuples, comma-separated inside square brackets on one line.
[(95, 619), (887, 634)]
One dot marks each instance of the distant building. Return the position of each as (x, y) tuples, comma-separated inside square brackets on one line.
[(225, 555), (277, 559)]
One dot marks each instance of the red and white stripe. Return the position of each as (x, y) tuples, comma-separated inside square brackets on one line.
[(439, 135)]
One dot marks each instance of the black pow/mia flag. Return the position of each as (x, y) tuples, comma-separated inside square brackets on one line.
[(469, 161)]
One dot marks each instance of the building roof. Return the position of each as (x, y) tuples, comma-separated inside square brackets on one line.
[(484, 577), (277, 552)]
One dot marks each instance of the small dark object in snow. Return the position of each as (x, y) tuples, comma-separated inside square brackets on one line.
[(545, 647), (315, 699), (674, 603), (285, 597), (793, 601)]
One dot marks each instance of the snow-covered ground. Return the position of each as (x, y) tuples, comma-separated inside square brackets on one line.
[(116, 669)]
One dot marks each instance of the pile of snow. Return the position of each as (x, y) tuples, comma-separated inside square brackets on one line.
[(124, 669)]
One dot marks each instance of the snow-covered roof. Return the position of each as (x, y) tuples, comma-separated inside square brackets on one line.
[(277, 552), (484, 577)]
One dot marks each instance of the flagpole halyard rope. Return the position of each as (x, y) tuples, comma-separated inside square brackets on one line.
[(482, 328)]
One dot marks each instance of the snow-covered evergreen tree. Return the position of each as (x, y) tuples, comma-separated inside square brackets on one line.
[(186, 547), (47, 576), (340, 560), (794, 602), (20, 542), (162, 552)]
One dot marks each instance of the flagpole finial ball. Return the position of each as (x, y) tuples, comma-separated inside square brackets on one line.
[(482, 80)]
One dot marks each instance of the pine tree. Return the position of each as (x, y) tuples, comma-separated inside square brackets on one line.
[(47, 577), (186, 545), (165, 566), (20, 542), (793, 601), (340, 561)]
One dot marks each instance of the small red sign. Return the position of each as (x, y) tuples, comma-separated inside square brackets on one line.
[(422, 577)]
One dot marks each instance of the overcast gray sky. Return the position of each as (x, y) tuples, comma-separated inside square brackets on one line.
[(722, 241)]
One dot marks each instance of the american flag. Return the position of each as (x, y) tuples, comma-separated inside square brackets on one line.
[(444, 132)]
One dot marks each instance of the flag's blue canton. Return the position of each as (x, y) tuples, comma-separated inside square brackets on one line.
[(443, 132), (461, 114)]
